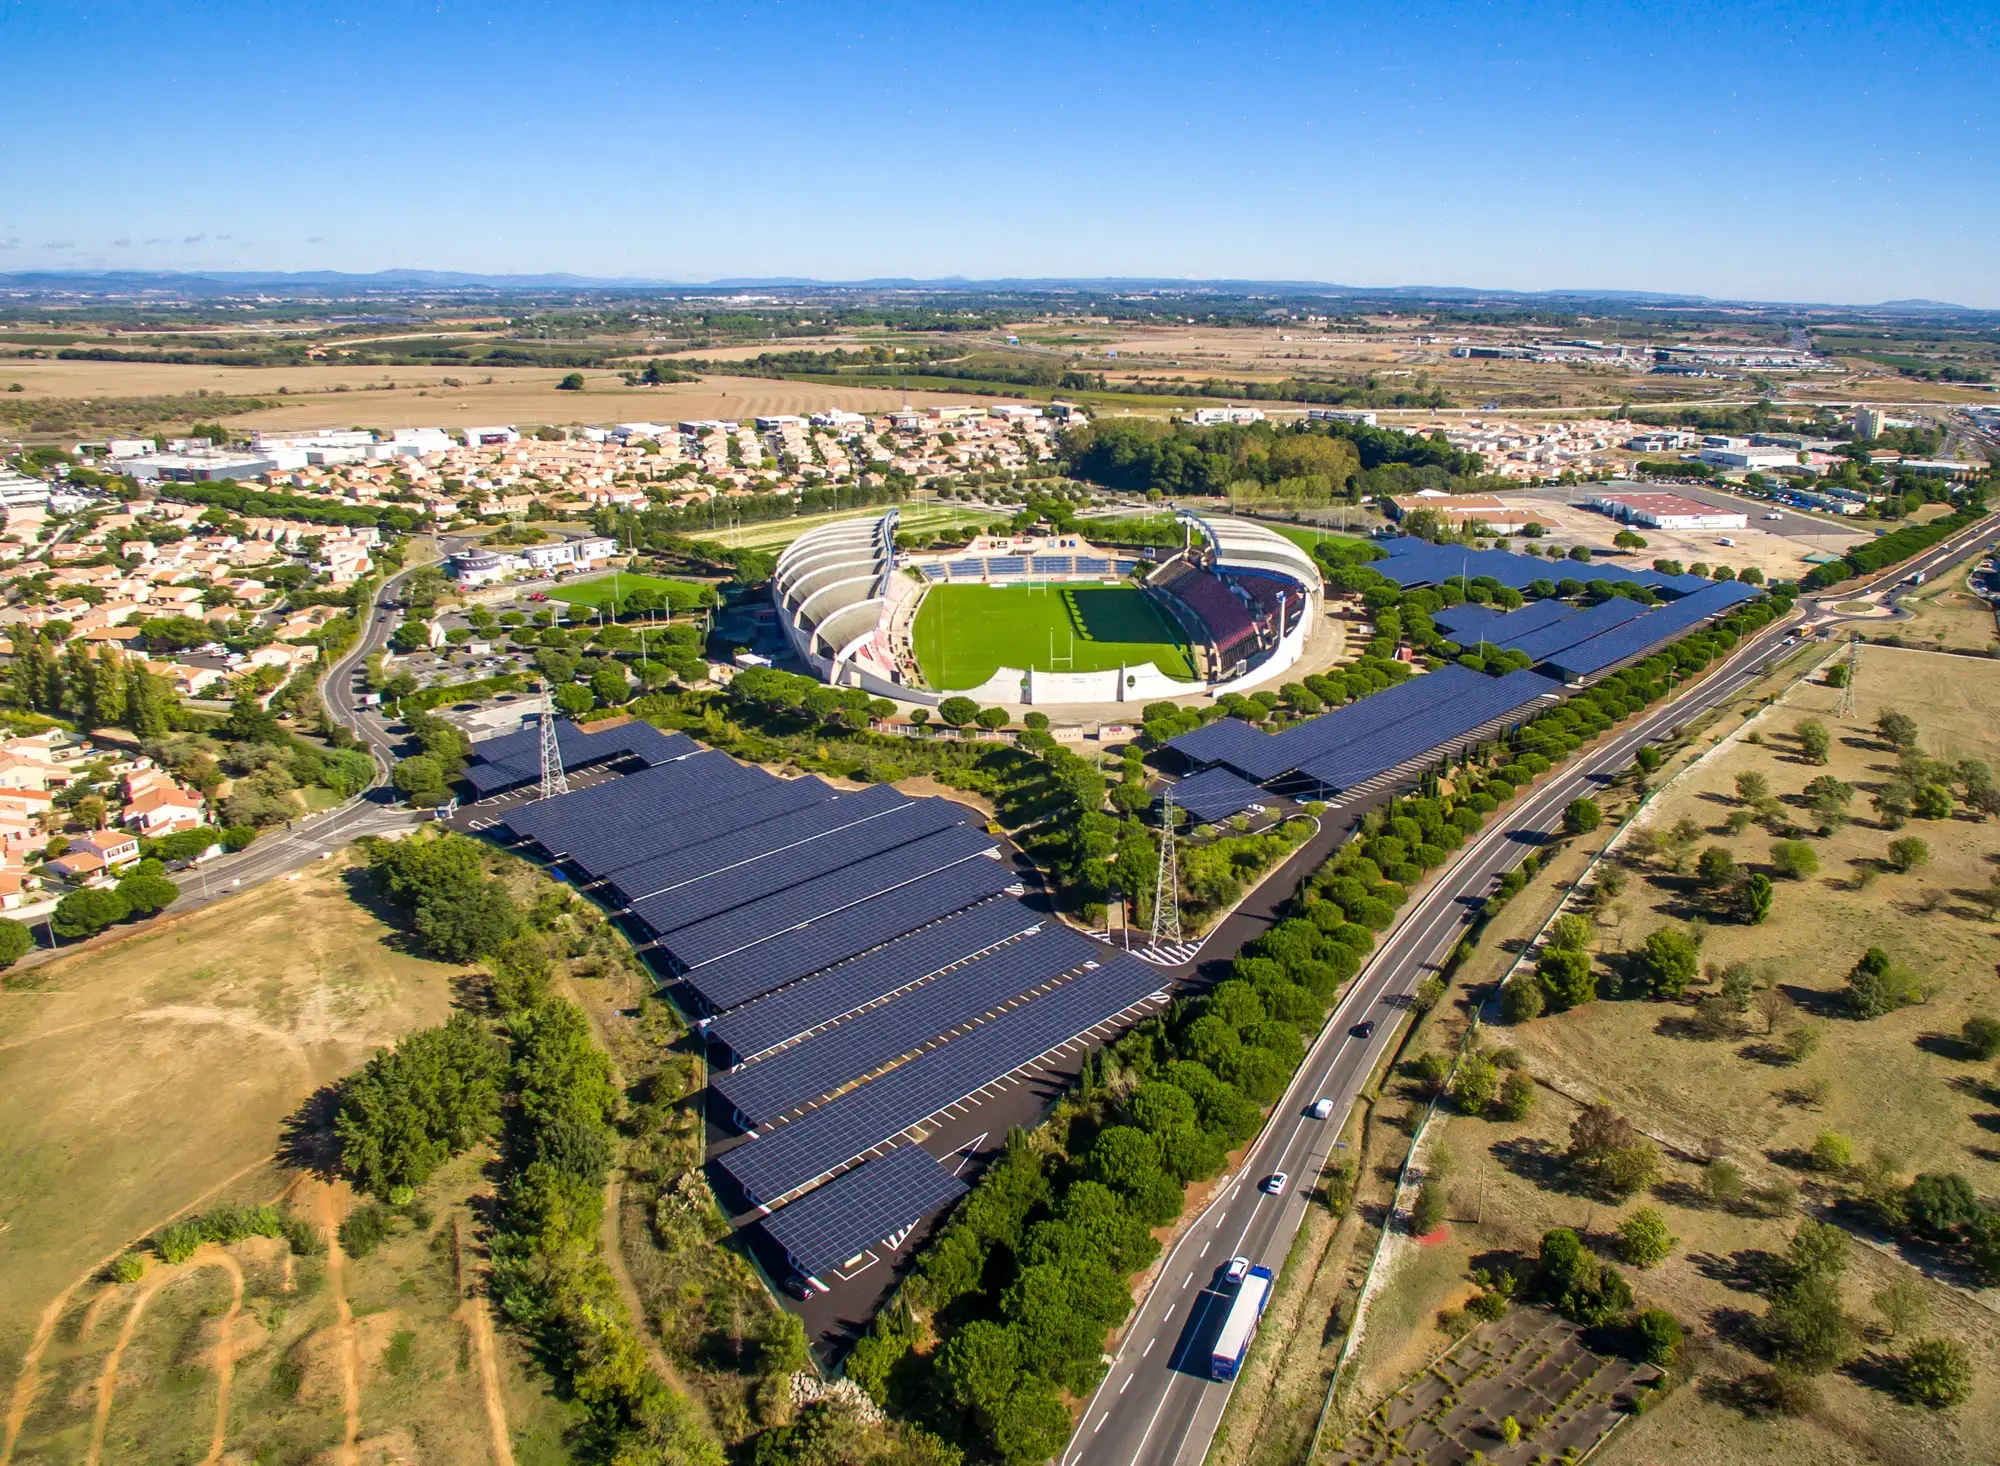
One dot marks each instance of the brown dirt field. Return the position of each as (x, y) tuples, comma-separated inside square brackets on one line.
[(1895, 1081), (418, 397), (136, 1077)]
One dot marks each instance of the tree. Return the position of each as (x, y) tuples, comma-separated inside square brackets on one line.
[(1898, 730), (574, 699), (1904, 1305), (1035, 1425), (145, 889), (1722, 1182), (1814, 741), (1794, 859), (1659, 1336), (1670, 960), (1581, 816), (980, 1366), (1476, 1083), (1807, 1327), (16, 941), (1517, 1095), (1832, 1153), (1577, 1284), (1604, 1147), (1567, 976), (1430, 1209), (571, 383), (1878, 985), (1429, 993), (87, 912), (1931, 802), (1908, 853), (609, 685), (1939, 1203), (1522, 1001), (1752, 788), (1936, 1373), (1643, 1238), (958, 711), (1716, 868), (1982, 1036), (411, 1108), (1753, 899), (420, 780)]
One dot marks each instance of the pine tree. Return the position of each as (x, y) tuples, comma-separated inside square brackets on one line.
[(107, 688)]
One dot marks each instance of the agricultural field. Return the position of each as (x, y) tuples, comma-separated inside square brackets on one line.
[(149, 1075), (965, 633)]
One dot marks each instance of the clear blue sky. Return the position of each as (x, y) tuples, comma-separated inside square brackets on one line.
[(1806, 151)]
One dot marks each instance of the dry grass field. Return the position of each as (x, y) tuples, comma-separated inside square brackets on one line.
[(396, 397), (1894, 1081), (1944, 614), (138, 1079)]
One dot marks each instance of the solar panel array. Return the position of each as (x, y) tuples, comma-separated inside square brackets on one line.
[(789, 956), (766, 1088), (776, 1163), (776, 1018), (1216, 794), (1504, 630), (725, 843), (709, 809), (1634, 638), (1463, 617), (859, 1208), (499, 764), (727, 886), (1491, 699), (585, 823), (1265, 756), (1585, 624), (1418, 562)]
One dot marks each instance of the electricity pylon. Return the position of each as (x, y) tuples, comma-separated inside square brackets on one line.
[(554, 781), (1167, 885), (1853, 671)]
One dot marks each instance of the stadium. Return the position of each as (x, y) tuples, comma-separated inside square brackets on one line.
[(1046, 619)]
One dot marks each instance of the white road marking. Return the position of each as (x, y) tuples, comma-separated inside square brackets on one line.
[(1149, 1345), (1188, 1279), (1128, 1383), (1169, 1313), (1100, 1421), (1204, 1249)]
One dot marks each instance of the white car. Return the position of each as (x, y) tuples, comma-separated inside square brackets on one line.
[(1322, 1108), (1238, 1269), (1774, 516), (1275, 1183)]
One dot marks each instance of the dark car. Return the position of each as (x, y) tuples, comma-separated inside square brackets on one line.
[(1364, 1029)]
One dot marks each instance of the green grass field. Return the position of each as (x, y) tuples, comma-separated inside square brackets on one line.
[(1307, 536), (965, 633), (597, 592)]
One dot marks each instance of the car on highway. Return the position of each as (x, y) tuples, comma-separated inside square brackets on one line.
[(1238, 1267), (1321, 1108), (1276, 1182), (1774, 516), (1364, 1029)]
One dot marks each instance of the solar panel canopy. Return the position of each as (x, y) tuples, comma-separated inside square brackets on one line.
[(515, 759), (1216, 794), (878, 1199)]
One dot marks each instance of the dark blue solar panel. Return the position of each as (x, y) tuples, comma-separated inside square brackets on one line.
[(784, 959), (1634, 638), (1573, 629), (1504, 630), (1453, 620), (1216, 794), (1416, 562), (728, 886), (857, 1209), (1226, 740), (516, 759), (802, 1150), (865, 880), (602, 808), (779, 1017), (654, 832), (598, 839), (1357, 763), (763, 1090)]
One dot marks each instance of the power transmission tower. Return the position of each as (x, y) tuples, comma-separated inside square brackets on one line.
[(1853, 671), (554, 781), (1167, 886)]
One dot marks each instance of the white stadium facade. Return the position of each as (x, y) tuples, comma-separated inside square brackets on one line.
[(1244, 596)]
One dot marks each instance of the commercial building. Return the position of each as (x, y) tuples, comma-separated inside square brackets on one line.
[(1665, 511), (1209, 417), (1341, 414), (1490, 510), (1737, 453), (1868, 423)]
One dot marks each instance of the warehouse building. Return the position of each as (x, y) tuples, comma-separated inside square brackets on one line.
[(1666, 511)]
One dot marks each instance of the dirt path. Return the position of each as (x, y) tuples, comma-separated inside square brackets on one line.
[(29, 1378), (225, 1353), (608, 1243), (107, 1378), (349, 1350), (481, 1324)]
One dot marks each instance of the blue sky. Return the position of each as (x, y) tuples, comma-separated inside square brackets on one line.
[(1820, 151)]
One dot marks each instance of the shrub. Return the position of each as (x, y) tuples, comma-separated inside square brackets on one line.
[(1643, 1238), (1982, 1036), (1517, 1096), (1806, 1326), (1877, 985), (1832, 1153), (1658, 1336), (128, 1267), (1581, 816), (1722, 1182), (1908, 853), (1428, 1214), (1936, 1373), (1521, 1001), (1814, 741), (1939, 1203), (1794, 859), (177, 1243)]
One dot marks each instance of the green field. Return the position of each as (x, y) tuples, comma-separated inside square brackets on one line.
[(1306, 536), (965, 633), (680, 594)]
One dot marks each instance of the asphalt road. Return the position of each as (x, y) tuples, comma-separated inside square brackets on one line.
[(1157, 1403)]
